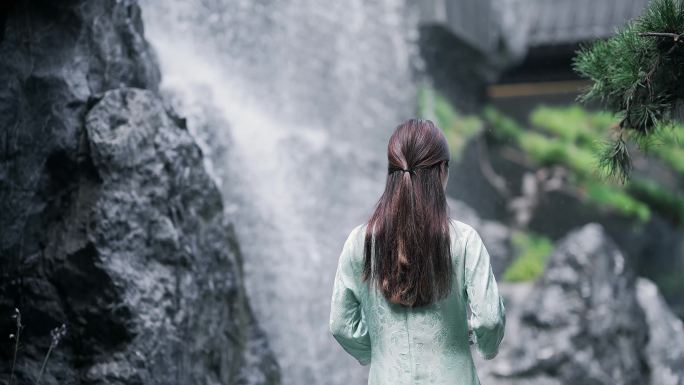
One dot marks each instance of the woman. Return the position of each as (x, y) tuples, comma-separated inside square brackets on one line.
[(404, 278)]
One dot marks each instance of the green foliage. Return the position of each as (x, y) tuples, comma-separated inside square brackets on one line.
[(574, 138), (531, 254), (618, 200), (673, 156), (614, 161), (637, 74), (505, 127), (573, 124), (669, 204), (457, 128), (664, 16), (571, 137), (666, 146), (549, 144)]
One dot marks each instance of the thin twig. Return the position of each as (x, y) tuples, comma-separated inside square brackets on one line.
[(42, 368), (17, 315), (675, 36), (649, 74), (620, 126), (57, 334)]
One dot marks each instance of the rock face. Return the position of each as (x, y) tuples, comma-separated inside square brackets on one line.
[(110, 223), (587, 320), (665, 349)]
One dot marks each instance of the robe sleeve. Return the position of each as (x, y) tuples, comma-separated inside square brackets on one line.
[(347, 322), (488, 316)]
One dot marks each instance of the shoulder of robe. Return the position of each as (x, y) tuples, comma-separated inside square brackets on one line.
[(462, 229), (355, 243)]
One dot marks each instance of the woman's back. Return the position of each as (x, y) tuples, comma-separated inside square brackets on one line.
[(426, 344), (404, 279)]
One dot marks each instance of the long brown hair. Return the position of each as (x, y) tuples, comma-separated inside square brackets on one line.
[(409, 229)]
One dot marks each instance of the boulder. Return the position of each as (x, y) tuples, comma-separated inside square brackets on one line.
[(665, 348), (110, 223), (587, 320)]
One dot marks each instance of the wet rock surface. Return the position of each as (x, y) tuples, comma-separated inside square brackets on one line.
[(587, 320), (665, 348), (110, 223)]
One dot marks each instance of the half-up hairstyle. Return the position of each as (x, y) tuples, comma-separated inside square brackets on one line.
[(409, 230)]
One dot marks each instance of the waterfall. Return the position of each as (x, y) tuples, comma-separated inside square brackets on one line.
[(292, 102)]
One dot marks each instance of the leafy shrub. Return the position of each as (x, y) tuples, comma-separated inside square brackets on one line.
[(532, 252)]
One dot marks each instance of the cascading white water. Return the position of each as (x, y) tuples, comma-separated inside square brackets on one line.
[(293, 101)]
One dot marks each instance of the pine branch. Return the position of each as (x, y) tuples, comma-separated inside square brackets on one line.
[(637, 73), (676, 37), (615, 161)]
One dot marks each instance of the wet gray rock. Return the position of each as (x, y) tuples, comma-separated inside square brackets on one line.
[(665, 349), (587, 320), (159, 232), (55, 56), (110, 223)]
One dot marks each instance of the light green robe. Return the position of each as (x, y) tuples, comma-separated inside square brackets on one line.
[(425, 345)]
